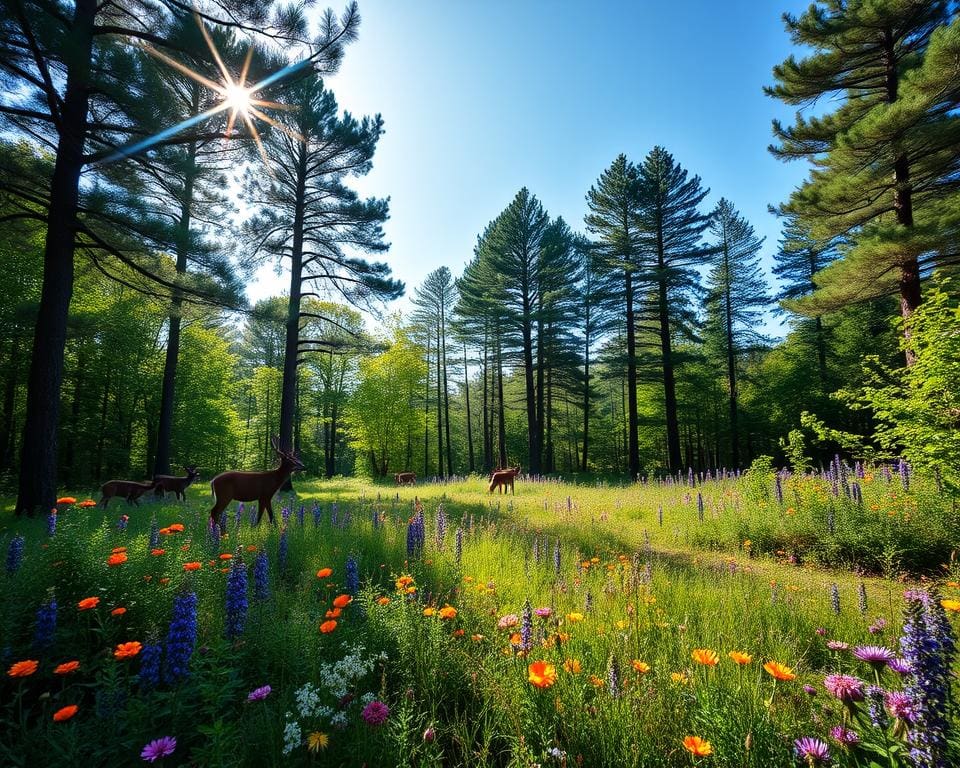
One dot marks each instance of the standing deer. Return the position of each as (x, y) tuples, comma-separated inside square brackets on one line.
[(253, 486), (405, 478), (128, 489), (167, 483), (501, 478)]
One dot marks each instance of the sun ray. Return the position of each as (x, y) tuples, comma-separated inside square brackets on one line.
[(183, 68), (213, 49), (277, 124), (259, 142)]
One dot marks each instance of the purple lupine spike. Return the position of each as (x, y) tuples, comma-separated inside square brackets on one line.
[(862, 597), (238, 515), (46, 627), (154, 533), (261, 576), (835, 598), (283, 549), (441, 525), (285, 515), (526, 627), (352, 575), (700, 506), (778, 487), (150, 658), (458, 549), (181, 637), (556, 558), (317, 514), (15, 553), (300, 514), (236, 599), (613, 676), (875, 701), (904, 470), (52, 523)]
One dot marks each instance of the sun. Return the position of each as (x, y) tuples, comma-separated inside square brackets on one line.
[(237, 98)]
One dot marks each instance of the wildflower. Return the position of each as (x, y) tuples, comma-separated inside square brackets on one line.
[(739, 657), (328, 626), (127, 650), (403, 582), (65, 713), (117, 559), (875, 700), (118, 611), (282, 549), (46, 627), (236, 600), (383, 601), (844, 736), (23, 668), (572, 666), (951, 605), (158, 552), (334, 614), (259, 694), (429, 734), (117, 550), (697, 747), (705, 656), (779, 671), (596, 682), (66, 668), (835, 599), (900, 666), (680, 678), (845, 687), (375, 713), (181, 637), (15, 553), (837, 645), (226, 556), (640, 666), (149, 676), (812, 751), (448, 612), (261, 576), (176, 527), (510, 620), (325, 573), (613, 676), (429, 611), (342, 601), (899, 705), (87, 503), (192, 566), (875, 655), (159, 748), (573, 618), (317, 741), (52, 522), (543, 613), (541, 674), (810, 690), (351, 576), (87, 603), (526, 627)]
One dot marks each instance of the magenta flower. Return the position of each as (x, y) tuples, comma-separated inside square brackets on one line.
[(544, 613), (900, 705), (845, 687), (158, 748), (875, 655), (810, 690), (812, 751), (259, 694), (376, 713), (900, 666), (844, 736)]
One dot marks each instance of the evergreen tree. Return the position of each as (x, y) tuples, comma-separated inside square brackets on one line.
[(736, 296)]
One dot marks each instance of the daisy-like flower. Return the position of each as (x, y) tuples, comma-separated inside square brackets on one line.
[(951, 605), (65, 713), (572, 666), (328, 626), (127, 650), (448, 612), (844, 736), (697, 747), (510, 620), (845, 687), (194, 566), (117, 559), (739, 657), (66, 668), (429, 611), (875, 655), (87, 603), (899, 665), (543, 613), (342, 601), (383, 601), (324, 573), (680, 678), (573, 618), (812, 751), (541, 674), (259, 694), (705, 656), (900, 705), (23, 668), (837, 645), (640, 666), (118, 611), (779, 671), (317, 741), (159, 748)]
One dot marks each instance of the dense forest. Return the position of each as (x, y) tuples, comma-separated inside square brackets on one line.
[(633, 342)]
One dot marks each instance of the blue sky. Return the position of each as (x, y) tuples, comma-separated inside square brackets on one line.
[(482, 98)]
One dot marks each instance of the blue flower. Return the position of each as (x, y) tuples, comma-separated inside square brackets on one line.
[(181, 637), (236, 599), (261, 576), (15, 553)]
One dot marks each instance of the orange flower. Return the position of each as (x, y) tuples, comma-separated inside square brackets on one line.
[(23, 668), (573, 618), (251, 547), (65, 713), (705, 656), (185, 548), (87, 603), (404, 581), (448, 612), (226, 556), (334, 614), (176, 527), (541, 674), (572, 666), (342, 601), (118, 611), (951, 605), (127, 650), (325, 573), (459, 633), (476, 638), (740, 657), (194, 566), (66, 500), (87, 503), (164, 581), (66, 668), (383, 601), (697, 747), (117, 559), (640, 666), (597, 682), (515, 639), (165, 531), (429, 611), (328, 626), (158, 552), (117, 550), (779, 671)]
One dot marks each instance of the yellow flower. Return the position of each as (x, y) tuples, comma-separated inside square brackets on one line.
[(680, 678), (697, 747), (448, 612), (622, 624), (429, 611), (740, 657), (951, 605), (705, 656), (317, 741), (573, 618), (641, 666), (779, 671), (596, 682), (572, 666), (542, 674)]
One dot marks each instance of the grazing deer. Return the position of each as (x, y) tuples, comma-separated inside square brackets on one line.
[(253, 486), (501, 478), (167, 483), (405, 478), (128, 489)]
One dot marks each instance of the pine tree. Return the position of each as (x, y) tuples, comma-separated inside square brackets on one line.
[(886, 159), (736, 296)]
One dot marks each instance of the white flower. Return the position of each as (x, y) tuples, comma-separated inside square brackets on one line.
[(292, 736)]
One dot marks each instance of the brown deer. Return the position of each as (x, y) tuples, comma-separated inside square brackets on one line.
[(501, 478), (405, 478), (253, 486), (167, 483), (128, 489)]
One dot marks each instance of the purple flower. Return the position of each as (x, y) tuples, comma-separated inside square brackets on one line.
[(900, 705), (15, 553), (259, 694), (352, 576), (875, 655), (845, 687), (376, 713), (181, 637), (150, 658), (812, 751), (900, 666), (526, 627), (544, 613), (261, 576), (236, 599), (821, 631), (810, 690), (837, 645), (46, 626), (844, 736), (159, 748)]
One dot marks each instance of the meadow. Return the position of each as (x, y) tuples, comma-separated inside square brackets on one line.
[(758, 620)]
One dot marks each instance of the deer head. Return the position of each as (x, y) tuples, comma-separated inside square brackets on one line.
[(288, 460), (192, 472)]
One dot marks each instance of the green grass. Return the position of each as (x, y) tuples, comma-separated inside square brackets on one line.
[(656, 592)]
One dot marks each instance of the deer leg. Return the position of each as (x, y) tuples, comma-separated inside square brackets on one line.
[(218, 507), (104, 501)]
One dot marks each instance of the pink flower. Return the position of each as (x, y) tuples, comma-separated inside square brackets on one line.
[(159, 748), (376, 713), (259, 694)]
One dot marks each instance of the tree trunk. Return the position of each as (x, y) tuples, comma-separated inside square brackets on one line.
[(73, 437), (586, 391), (426, 416), (446, 390), (669, 381), (439, 408), (502, 426), (533, 427), (466, 389), (9, 404), (487, 410), (38, 456), (633, 422), (731, 364)]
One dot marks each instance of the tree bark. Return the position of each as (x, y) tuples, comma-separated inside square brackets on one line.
[(38, 455), (439, 408), (669, 380), (446, 389), (731, 364), (10, 387), (502, 427), (633, 422), (466, 389)]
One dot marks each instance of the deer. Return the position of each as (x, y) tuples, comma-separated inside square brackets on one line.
[(501, 478), (167, 483), (128, 489), (253, 486), (405, 478)]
